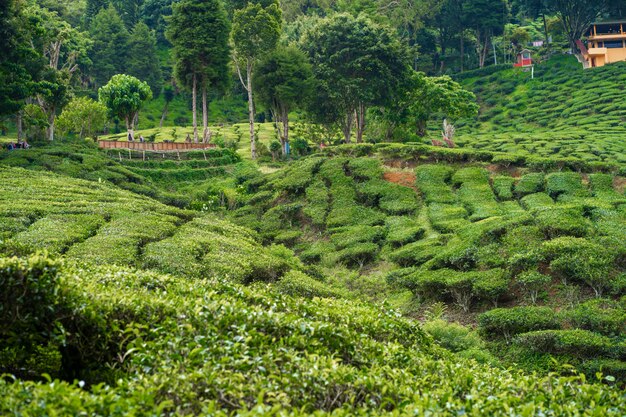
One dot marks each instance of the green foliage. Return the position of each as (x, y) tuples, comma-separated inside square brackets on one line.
[(529, 184), (603, 316), (508, 322), (453, 336), (296, 283), (110, 41), (83, 116), (503, 187), (532, 283), (30, 334), (124, 96), (143, 61), (576, 343)]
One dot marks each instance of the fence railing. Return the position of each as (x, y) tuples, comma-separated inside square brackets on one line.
[(156, 147)]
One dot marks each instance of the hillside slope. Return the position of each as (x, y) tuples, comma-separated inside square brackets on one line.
[(564, 111)]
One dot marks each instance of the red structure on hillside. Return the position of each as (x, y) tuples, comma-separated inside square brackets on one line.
[(524, 59)]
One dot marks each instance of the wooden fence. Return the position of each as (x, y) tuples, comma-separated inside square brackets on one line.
[(154, 147)]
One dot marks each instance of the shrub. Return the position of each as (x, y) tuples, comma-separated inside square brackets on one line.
[(568, 183), (507, 322), (402, 230), (31, 299), (529, 184), (576, 343), (532, 282), (582, 261), (358, 254), (602, 316), (503, 187), (344, 237), (296, 283), (453, 336), (431, 181), (416, 253)]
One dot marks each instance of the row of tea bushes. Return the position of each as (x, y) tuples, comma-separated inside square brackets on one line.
[(220, 349)]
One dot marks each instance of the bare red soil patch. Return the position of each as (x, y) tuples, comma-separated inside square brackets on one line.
[(620, 184), (406, 179)]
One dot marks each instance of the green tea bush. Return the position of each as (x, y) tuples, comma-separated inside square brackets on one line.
[(563, 220), (31, 297), (317, 203), (508, 322), (529, 184), (416, 253), (453, 336), (296, 283), (582, 261), (602, 316), (431, 182), (344, 237), (568, 183), (57, 232), (532, 283), (576, 343), (503, 187), (475, 193), (402, 230)]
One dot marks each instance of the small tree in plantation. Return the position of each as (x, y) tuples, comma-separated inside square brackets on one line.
[(255, 32), (432, 95), (284, 81), (83, 116), (123, 96)]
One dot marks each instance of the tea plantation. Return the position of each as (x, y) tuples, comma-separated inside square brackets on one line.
[(312, 303), (494, 246), (564, 111)]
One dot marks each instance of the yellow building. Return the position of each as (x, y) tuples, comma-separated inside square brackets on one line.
[(606, 43)]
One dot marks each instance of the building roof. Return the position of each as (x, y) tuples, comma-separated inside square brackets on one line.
[(609, 22)]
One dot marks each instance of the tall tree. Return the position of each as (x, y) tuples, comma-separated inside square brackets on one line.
[(110, 45), (93, 7), (486, 18), (255, 32), (124, 96), (284, 81), (143, 61), (63, 48), (358, 64), (199, 31), (577, 15), (20, 61)]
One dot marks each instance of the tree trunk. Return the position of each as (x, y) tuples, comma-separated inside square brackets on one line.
[(421, 128), (360, 122), (206, 133), (462, 51), (251, 109), (347, 125), (545, 28), (194, 108), (18, 124), (282, 118), (130, 134), (51, 120), (164, 114)]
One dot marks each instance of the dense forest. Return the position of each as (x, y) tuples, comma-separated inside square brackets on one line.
[(58, 54)]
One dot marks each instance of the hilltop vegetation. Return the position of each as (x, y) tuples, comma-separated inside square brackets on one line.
[(218, 347)]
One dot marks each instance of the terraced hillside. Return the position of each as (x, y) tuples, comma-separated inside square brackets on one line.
[(564, 111), (103, 224), (472, 236)]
